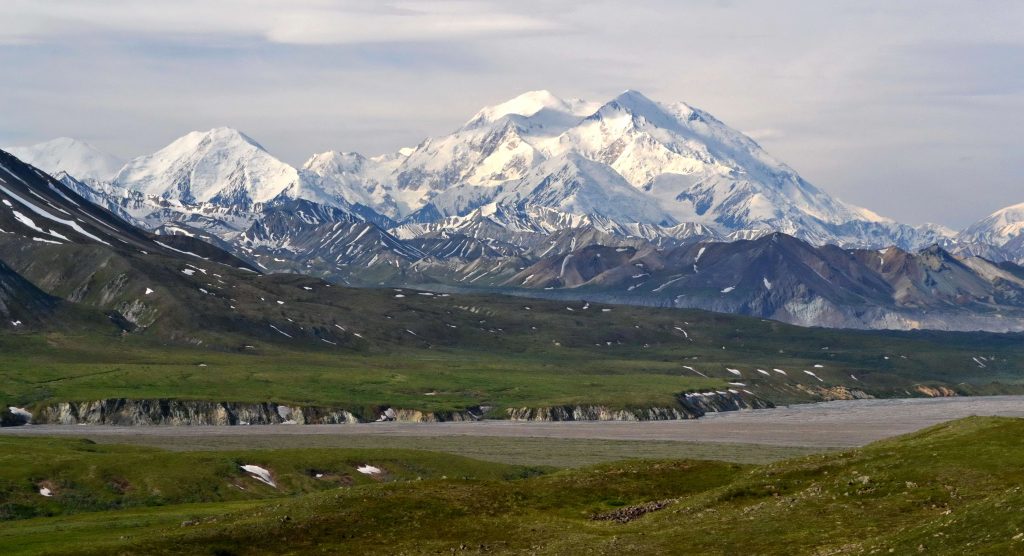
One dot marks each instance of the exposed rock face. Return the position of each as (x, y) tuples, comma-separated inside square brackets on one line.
[(14, 416), (835, 393), (137, 313), (632, 513), (120, 411), (183, 412), (416, 416), (691, 406), (780, 277), (935, 391)]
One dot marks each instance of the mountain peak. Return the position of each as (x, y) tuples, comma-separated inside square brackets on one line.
[(205, 165), (998, 228), (226, 139), (530, 104), (636, 103), (224, 134), (541, 96), (633, 96), (335, 162), (526, 104), (66, 154)]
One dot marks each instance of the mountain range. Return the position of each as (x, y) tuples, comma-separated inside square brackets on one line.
[(527, 194)]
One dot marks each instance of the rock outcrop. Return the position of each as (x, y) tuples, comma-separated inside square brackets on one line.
[(833, 393), (126, 412), (690, 406), (14, 416), (120, 411), (415, 416), (935, 391)]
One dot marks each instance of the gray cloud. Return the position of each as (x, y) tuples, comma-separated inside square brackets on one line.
[(910, 108), (292, 22)]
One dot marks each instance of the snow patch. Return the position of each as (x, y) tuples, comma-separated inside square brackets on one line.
[(814, 375), (695, 370), (369, 470), (565, 263), (189, 253), (281, 332), (260, 474)]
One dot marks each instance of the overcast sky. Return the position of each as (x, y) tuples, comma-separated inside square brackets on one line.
[(914, 109)]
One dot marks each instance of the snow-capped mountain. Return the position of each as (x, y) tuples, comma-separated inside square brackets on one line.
[(569, 184), (354, 178), (997, 228), (77, 158), (99, 193), (681, 164), (568, 227), (221, 166), (219, 181), (503, 200), (999, 236), (629, 165)]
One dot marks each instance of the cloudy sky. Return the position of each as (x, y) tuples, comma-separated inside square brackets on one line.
[(913, 108)]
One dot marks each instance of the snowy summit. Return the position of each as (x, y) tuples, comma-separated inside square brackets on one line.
[(75, 157)]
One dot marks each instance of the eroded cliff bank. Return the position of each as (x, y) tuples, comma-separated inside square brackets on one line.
[(688, 406), (127, 412)]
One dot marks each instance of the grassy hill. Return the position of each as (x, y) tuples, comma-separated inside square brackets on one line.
[(437, 353), (442, 353), (84, 476), (951, 489)]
